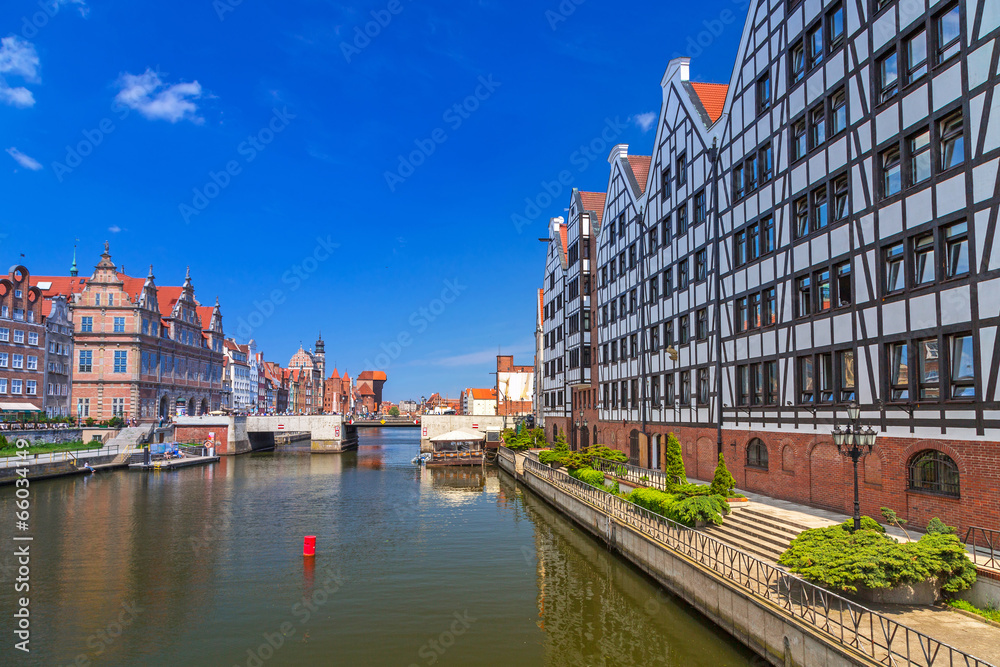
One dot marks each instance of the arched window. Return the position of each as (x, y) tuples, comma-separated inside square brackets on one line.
[(757, 454), (934, 472)]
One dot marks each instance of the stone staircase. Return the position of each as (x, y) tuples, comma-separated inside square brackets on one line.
[(757, 531), (132, 437)]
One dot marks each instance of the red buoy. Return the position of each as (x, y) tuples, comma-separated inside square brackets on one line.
[(309, 546)]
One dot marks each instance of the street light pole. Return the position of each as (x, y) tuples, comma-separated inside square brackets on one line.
[(855, 441)]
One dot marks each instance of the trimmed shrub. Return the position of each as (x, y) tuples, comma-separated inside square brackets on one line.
[(842, 560), (938, 527), (867, 523), (589, 476), (692, 490), (723, 483), (709, 509), (674, 460), (655, 501)]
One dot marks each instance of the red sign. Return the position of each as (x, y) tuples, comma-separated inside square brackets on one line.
[(475, 426), (336, 431), (425, 431), (281, 427)]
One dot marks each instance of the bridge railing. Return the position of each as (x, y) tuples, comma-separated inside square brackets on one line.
[(640, 476), (877, 636)]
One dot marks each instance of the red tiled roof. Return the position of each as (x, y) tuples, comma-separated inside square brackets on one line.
[(205, 315), (373, 375), (564, 237), (231, 345), (640, 168), (166, 297), (132, 286), (483, 394), (712, 97), (335, 375), (594, 201), (60, 284)]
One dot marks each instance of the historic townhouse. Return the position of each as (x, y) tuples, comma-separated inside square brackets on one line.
[(243, 387), (22, 343), (57, 401), (853, 161), (556, 408), (140, 350)]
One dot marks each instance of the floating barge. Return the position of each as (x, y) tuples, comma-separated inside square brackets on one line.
[(456, 448), (173, 456)]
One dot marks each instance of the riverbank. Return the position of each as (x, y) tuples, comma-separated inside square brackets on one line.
[(781, 617)]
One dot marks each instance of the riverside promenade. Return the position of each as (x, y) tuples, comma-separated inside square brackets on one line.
[(782, 617)]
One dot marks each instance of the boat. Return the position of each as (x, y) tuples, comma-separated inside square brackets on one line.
[(457, 448)]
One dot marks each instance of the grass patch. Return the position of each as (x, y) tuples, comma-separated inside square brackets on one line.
[(989, 614), (50, 447)]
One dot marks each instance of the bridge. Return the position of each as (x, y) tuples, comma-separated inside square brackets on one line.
[(388, 422), (238, 434)]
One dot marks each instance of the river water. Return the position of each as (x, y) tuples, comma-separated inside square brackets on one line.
[(204, 566)]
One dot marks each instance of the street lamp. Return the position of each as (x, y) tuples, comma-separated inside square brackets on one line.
[(855, 441), (581, 425)]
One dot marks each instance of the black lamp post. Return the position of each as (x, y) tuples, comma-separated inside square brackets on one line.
[(855, 441), (581, 425)]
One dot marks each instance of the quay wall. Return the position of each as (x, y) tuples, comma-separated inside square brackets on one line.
[(765, 628), (432, 426)]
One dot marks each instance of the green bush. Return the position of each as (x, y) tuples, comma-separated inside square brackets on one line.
[(989, 613), (655, 501), (938, 527), (558, 454), (867, 523), (692, 490), (589, 476), (585, 458), (723, 483), (674, 461), (710, 509), (842, 560)]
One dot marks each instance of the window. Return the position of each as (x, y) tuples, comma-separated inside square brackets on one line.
[(838, 112), (703, 324), (682, 219), (668, 282), (848, 375), (888, 75), (919, 149), (97, 299), (681, 170), (895, 278), (963, 369), (17, 361), (668, 389), (835, 26), (3, 359), (32, 363), (654, 338), (899, 376), (764, 93), (699, 208), (740, 248), (956, 240), (804, 289), (928, 368), (738, 182), (119, 325), (753, 242), (948, 30), (806, 384), (755, 310), (685, 331), (769, 298), (31, 387), (665, 184), (87, 324), (704, 386), (770, 382), (766, 163), (797, 62), (757, 454), (923, 259), (814, 40), (916, 56), (844, 284), (742, 314), (823, 293), (701, 265), (686, 387), (802, 217), (934, 472), (86, 361), (654, 238), (682, 274), (824, 363), (751, 172), (668, 333), (18, 336), (654, 289), (799, 147), (33, 338), (891, 180), (3, 385), (817, 120), (952, 141), (820, 212), (840, 196), (15, 386)]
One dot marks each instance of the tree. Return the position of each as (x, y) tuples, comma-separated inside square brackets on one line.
[(723, 483), (394, 411), (674, 461)]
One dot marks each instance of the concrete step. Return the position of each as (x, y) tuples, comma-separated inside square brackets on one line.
[(766, 516), (750, 534), (736, 539), (764, 526)]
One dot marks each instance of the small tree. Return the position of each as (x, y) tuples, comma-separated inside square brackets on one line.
[(890, 516), (674, 461), (394, 411), (938, 527), (723, 483), (560, 445)]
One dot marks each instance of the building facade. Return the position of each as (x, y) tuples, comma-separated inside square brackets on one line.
[(58, 357), (820, 231), (22, 343)]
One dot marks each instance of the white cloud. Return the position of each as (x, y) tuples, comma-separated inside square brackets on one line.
[(645, 121), (25, 161), (81, 6), (17, 58), (114, 229), (155, 100)]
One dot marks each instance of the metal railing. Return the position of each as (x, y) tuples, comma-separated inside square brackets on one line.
[(630, 473), (56, 457), (985, 544), (506, 454), (852, 625)]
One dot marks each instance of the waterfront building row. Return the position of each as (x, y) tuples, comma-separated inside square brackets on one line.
[(820, 231)]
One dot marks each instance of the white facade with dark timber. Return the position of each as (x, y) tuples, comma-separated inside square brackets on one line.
[(556, 406), (838, 244)]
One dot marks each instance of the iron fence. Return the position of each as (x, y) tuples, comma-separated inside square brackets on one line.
[(851, 624), (985, 544), (634, 474)]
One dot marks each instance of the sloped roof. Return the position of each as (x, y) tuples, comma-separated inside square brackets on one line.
[(205, 315), (59, 284), (483, 394), (712, 97), (564, 238), (373, 375), (594, 201), (640, 169)]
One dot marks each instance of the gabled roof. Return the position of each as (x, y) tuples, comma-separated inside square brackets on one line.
[(483, 394), (58, 284), (640, 169), (564, 238), (594, 201), (711, 97), (373, 375)]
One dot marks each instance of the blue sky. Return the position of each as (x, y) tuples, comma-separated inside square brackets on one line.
[(272, 149)]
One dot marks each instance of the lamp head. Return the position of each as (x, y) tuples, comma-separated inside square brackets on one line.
[(854, 412)]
